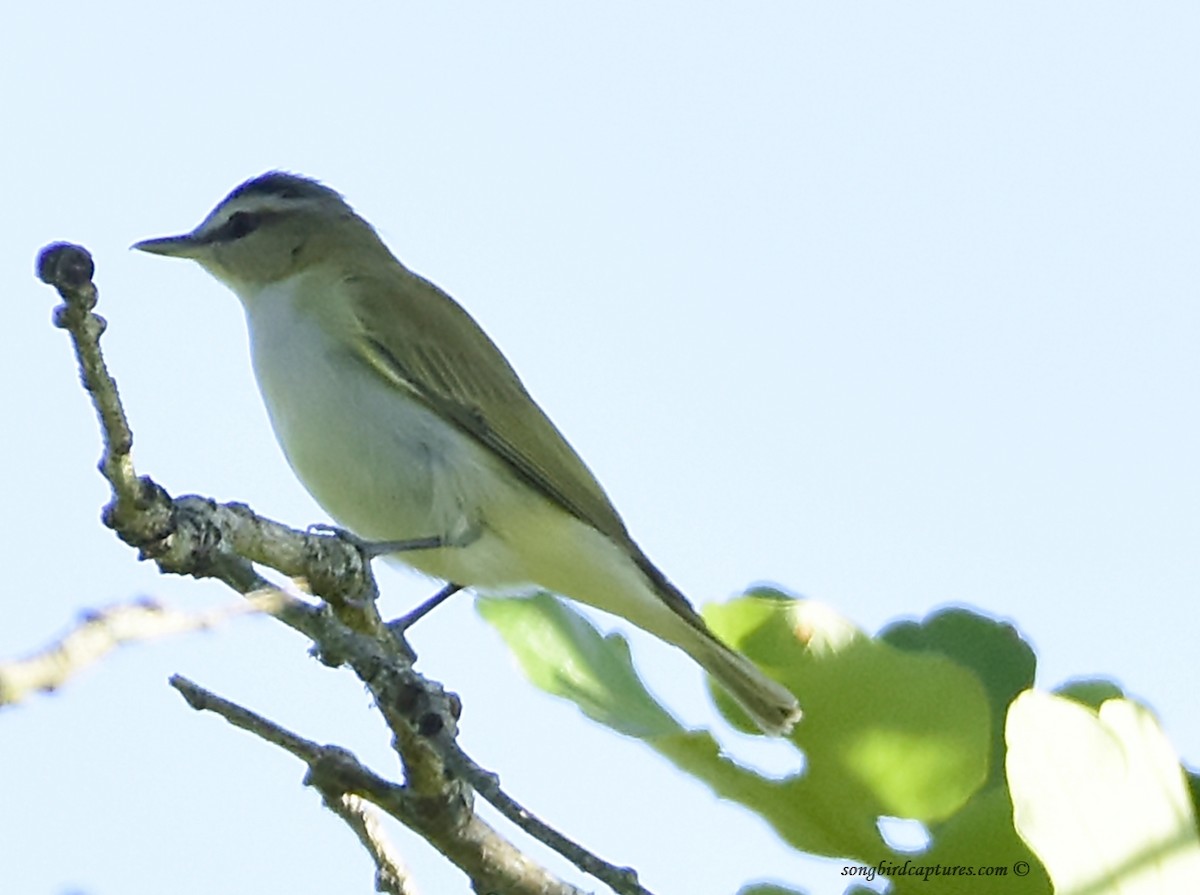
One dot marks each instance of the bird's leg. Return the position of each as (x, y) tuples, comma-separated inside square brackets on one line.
[(406, 621), (376, 549)]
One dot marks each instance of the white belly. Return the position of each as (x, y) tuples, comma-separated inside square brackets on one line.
[(387, 468), (379, 462)]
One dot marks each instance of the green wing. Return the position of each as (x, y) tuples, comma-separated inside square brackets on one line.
[(422, 341)]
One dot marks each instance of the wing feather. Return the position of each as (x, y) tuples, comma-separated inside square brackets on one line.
[(423, 341)]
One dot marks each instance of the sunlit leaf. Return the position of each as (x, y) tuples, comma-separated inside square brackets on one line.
[(1100, 797)]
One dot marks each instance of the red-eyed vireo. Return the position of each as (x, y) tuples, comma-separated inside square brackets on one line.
[(406, 423)]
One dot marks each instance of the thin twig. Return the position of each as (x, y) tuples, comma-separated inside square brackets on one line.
[(334, 772), (497, 865), (620, 879), (102, 631), (391, 876)]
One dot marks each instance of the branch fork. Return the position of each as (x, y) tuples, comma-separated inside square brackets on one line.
[(196, 536)]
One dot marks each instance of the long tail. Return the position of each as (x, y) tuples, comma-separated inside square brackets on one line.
[(598, 573), (771, 705)]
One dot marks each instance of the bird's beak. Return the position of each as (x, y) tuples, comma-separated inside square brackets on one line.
[(185, 246)]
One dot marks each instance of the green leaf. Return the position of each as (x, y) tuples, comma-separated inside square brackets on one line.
[(562, 653), (1004, 663), (886, 731), (1092, 692), (981, 835), (1100, 797)]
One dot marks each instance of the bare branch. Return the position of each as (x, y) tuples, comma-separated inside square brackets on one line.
[(101, 631), (492, 862), (391, 876), (332, 771), (487, 784)]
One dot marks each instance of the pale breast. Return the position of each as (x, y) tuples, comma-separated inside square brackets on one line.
[(386, 467), (376, 460)]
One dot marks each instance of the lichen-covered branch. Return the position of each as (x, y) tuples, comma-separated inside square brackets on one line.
[(196, 536)]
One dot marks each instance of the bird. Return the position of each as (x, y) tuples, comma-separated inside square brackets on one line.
[(408, 425)]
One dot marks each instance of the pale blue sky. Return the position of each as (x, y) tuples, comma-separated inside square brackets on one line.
[(893, 305)]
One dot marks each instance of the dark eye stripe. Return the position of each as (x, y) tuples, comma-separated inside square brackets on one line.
[(240, 224)]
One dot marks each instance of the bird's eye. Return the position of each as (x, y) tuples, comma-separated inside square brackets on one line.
[(239, 224)]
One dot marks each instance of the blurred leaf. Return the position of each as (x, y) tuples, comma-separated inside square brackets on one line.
[(1091, 692), (1004, 663), (981, 835), (994, 650), (563, 653), (1100, 797), (1193, 785), (886, 731)]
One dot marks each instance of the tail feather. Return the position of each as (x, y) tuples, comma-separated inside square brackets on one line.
[(769, 704), (601, 575)]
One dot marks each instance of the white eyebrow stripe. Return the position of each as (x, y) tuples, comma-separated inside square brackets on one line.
[(254, 204)]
